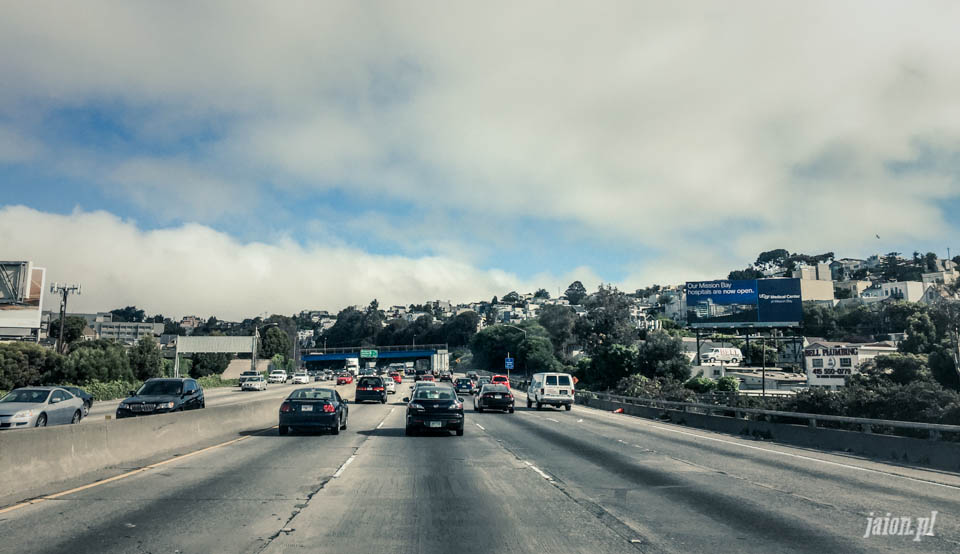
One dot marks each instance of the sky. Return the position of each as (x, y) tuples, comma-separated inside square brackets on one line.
[(236, 158)]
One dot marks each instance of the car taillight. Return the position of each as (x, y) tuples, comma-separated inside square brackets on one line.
[(285, 407), (377, 388), (509, 397), (541, 391), (328, 408)]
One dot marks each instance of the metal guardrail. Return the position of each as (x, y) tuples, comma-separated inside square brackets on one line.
[(866, 425)]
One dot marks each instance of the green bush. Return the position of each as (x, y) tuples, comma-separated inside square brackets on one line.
[(214, 381), (701, 385), (108, 390), (728, 384)]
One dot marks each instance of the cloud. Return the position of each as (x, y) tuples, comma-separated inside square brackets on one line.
[(193, 269), (686, 129)]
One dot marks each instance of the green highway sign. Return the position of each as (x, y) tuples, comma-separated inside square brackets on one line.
[(369, 353)]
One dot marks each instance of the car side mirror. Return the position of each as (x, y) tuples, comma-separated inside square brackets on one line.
[(460, 399), (55, 400), (406, 399), (132, 393)]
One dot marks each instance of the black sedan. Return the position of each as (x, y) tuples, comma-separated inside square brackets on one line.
[(82, 395), (434, 409), (313, 408), (494, 397), (160, 396)]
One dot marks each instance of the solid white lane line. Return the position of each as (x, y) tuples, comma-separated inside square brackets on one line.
[(344, 466), (381, 424), (538, 470), (640, 421), (480, 426), (551, 419)]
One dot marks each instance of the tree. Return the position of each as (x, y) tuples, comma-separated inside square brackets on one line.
[(541, 293), (930, 262), (921, 335), (458, 330), (130, 314), (145, 359), (607, 321), (701, 385), (899, 368), (73, 328), (535, 354), (728, 384), (274, 342), (610, 365), (819, 321), (662, 355), (511, 297), (213, 363), (23, 364), (558, 320), (943, 366), (772, 258), (745, 274), (101, 360), (575, 293), (173, 328)]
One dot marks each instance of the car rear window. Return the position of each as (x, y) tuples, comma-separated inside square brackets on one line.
[(564, 380), (311, 395), (551, 380), (434, 393), (495, 388), (369, 382)]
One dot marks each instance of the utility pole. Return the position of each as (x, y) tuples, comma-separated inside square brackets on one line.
[(763, 365), (64, 291)]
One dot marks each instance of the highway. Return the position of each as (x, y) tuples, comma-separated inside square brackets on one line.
[(212, 397), (533, 481)]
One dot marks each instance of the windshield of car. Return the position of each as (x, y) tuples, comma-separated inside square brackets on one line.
[(32, 396), (158, 388), (311, 394), (434, 393)]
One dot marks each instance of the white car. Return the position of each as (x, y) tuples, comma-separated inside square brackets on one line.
[(278, 376), (301, 378), (254, 383), (390, 385)]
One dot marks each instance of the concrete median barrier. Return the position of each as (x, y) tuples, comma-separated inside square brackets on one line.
[(35, 458)]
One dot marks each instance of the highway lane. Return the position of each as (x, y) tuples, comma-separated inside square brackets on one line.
[(548, 481), (212, 397)]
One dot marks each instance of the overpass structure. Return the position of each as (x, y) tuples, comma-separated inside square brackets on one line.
[(438, 354)]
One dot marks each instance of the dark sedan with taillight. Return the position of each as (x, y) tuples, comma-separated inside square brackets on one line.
[(371, 388), (494, 397), (317, 409), (434, 409)]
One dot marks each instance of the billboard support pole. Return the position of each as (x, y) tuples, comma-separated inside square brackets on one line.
[(699, 364), (763, 366)]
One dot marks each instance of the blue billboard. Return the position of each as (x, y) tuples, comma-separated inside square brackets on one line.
[(744, 303)]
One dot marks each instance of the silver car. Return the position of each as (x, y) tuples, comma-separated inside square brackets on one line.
[(39, 407)]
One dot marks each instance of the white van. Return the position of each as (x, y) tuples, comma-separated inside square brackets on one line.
[(724, 355), (555, 389)]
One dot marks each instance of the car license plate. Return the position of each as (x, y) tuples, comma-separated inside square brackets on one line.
[(435, 424), (498, 396), (306, 408)]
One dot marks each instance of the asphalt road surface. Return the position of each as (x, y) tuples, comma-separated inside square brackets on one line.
[(533, 481), (212, 397)]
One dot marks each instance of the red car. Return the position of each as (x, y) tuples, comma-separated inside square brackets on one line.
[(500, 380), (397, 378), (427, 377), (344, 379)]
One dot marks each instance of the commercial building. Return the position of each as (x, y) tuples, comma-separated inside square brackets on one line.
[(128, 332), (831, 364)]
